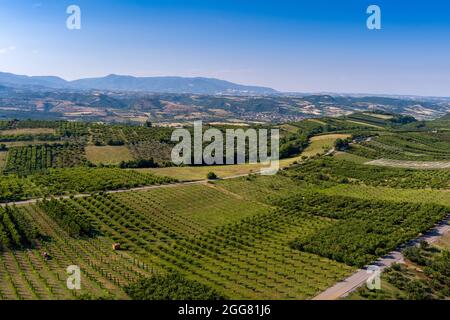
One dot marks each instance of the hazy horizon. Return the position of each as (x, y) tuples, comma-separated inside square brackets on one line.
[(290, 46)]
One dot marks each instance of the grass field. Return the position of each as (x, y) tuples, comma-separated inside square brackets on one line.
[(289, 128), (321, 144), (317, 121), (32, 131), (108, 154), (350, 157)]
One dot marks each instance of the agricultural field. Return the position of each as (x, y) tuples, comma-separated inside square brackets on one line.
[(137, 233), (69, 181), (239, 259), (29, 159), (27, 274), (327, 172), (414, 146)]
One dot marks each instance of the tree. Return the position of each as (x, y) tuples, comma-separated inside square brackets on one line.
[(172, 286), (341, 145), (211, 176)]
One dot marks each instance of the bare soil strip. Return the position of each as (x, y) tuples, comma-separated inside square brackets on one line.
[(410, 164)]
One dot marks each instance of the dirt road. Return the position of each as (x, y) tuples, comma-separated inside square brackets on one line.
[(80, 195)]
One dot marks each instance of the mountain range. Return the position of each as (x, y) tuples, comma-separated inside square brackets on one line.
[(197, 85)]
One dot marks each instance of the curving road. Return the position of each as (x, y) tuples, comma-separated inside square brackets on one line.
[(358, 279)]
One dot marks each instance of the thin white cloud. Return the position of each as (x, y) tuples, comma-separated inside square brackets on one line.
[(7, 49)]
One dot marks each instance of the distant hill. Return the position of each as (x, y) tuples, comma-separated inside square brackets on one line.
[(18, 80), (446, 117), (144, 84), (169, 85)]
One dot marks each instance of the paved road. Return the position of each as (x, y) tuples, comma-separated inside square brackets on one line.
[(358, 279)]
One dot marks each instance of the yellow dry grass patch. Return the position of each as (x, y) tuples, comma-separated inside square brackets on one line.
[(2, 159), (289, 128), (321, 144), (32, 131), (350, 157), (365, 124), (199, 173), (108, 154)]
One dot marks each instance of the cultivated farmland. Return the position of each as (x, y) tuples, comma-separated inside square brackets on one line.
[(98, 202)]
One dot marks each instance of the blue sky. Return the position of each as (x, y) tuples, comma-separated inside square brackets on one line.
[(304, 46)]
